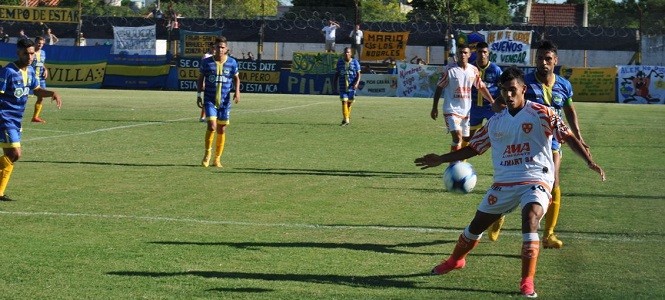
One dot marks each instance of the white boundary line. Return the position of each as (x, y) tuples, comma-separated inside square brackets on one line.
[(579, 236), (160, 122)]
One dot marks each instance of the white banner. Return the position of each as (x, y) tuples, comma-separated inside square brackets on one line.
[(417, 80), (641, 84), (135, 40), (510, 47), (383, 85)]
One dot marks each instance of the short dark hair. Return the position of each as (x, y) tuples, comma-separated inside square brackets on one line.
[(220, 39), (39, 39), (482, 45), (547, 46), (462, 46), (25, 44), (511, 73)]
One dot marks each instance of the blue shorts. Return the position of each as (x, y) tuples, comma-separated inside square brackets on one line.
[(220, 114), (10, 138), (42, 84), (478, 114), (349, 95), (556, 146)]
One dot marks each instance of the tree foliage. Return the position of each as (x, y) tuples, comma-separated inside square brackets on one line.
[(494, 12)]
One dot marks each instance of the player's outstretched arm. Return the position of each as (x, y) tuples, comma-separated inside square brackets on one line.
[(44, 93), (579, 149), (433, 160)]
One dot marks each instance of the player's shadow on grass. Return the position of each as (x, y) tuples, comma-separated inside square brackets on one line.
[(240, 290), (379, 248), (377, 281), (323, 172)]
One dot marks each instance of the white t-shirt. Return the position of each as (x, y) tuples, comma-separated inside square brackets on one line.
[(329, 32), (457, 83), (357, 39), (522, 144)]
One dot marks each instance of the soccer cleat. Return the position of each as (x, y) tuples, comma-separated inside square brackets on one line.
[(38, 120), (217, 163), (206, 160), (344, 122), (527, 289), (448, 266), (495, 228), (202, 119), (551, 241), (5, 198)]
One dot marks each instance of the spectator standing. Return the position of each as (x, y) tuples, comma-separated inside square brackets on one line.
[(50, 38), (356, 36), (4, 37), (81, 40), (329, 32), (21, 35), (391, 65)]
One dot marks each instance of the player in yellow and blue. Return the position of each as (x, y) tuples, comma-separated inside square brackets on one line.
[(218, 75), (347, 78), (545, 87), (481, 109), (17, 79), (42, 73)]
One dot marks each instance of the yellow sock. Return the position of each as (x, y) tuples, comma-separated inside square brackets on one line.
[(345, 111), (219, 146), (552, 215), (348, 108), (208, 140), (6, 168), (464, 143), (38, 110)]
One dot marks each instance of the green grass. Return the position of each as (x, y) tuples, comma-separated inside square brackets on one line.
[(112, 204)]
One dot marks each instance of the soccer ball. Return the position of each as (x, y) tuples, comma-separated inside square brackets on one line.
[(459, 177)]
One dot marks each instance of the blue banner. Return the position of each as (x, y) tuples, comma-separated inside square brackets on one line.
[(137, 71), (313, 84)]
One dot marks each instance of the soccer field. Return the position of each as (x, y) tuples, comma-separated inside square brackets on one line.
[(111, 203)]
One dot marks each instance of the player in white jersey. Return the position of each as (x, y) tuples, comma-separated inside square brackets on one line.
[(455, 86), (520, 137)]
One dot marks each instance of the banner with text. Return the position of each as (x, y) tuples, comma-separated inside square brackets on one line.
[(259, 76), (312, 84), (196, 44), (68, 66), (381, 45), (381, 85), (641, 84), (39, 14), (510, 47), (314, 62), (137, 71), (417, 81), (591, 84), (135, 40)]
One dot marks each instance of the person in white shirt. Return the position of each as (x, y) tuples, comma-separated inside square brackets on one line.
[(356, 36), (329, 34), (521, 138), (455, 86)]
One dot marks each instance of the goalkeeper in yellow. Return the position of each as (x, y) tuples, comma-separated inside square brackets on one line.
[(218, 74)]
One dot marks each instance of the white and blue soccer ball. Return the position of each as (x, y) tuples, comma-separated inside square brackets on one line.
[(460, 177)]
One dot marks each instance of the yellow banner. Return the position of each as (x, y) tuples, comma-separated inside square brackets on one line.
[(591, 84), (381, 45), (68, 75), (39, 14), (259, 76), (196, 45)]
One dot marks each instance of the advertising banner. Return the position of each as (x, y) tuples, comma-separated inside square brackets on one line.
[(510, 47), (381, 45), (312, 84), (417, 80), (259, 77), (196, 44), (591, 84), (382, 85), (641, 84), (39, 14), (135, 40)]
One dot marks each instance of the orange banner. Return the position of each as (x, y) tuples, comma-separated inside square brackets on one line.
[(381, 45)]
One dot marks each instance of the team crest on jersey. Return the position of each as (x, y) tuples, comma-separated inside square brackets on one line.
[(491, 199), (20, 92), (527, 127), (557, 100)]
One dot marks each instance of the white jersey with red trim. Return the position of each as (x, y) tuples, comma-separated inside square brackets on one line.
[(521, 144), (456, 83)]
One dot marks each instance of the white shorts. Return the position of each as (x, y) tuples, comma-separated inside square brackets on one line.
[(330, 45), (457, 123), (504, 199)]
